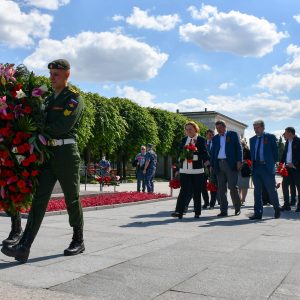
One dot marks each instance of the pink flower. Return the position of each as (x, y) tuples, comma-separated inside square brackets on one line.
[(38, 92), (42, 139), (3, 105)]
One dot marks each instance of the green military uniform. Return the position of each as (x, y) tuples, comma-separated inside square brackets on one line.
[(62, 121)]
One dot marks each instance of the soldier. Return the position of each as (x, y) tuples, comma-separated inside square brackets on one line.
[(63, 112), (150, 168)]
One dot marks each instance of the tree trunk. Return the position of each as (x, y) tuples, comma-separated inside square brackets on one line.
[(124, 167)]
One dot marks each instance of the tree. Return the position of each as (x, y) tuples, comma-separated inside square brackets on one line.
[(141, 129), (109, 127), (165, 125)]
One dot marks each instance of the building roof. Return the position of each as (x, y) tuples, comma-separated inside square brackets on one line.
[(210, 113)]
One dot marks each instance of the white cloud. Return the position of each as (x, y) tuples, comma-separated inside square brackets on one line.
[(118, 18), (234, 32), (141, 97), (47, 4), (141, 19), (100, 57), (198, 67), (19, 29), (245, 109), (205, 12), (297, 18), (286, 77), (225, 85)]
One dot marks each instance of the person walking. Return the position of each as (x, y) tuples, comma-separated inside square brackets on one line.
[(64, 110), (139, 163), (150, 168), (226, 162), (193, 156), (244, 173), (291, 159), (264, 155)]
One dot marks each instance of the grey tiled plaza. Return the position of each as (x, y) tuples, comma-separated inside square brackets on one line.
[(140, 252)]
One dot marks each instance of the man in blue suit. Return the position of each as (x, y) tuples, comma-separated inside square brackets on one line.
[(264, 155), (226, 161)]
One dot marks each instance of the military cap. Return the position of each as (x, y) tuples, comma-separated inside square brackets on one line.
[(61, 64), (149, 146)]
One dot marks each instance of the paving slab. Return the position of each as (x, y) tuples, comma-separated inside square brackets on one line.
[(140, 252)]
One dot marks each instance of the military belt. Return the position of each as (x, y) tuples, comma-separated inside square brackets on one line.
[(54, 143)]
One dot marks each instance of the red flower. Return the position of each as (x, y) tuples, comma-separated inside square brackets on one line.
[(211, 186), (2, 183), (17, 141), (25, 162), (27, 110), (25, 173), (32, 158), (21, 184), (12, 188), (249, 162), (34, 173), (21, 149), (174, 183)]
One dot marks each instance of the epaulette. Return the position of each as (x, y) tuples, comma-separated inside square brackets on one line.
[(73, 91)]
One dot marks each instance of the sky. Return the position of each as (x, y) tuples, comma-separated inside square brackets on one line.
[(239, 58)]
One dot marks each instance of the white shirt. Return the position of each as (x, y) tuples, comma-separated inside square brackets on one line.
[(222, 153), (187, 168), (289, 153)]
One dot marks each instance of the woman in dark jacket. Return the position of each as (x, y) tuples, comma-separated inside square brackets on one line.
[(191, 169), (244, 174)]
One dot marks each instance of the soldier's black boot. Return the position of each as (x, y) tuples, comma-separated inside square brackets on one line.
[(20, 251), (15, 233), (77, 245)]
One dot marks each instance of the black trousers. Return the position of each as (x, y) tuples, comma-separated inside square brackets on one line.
[(292, 180), (191, 184)]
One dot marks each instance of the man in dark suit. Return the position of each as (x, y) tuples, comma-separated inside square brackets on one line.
[(226, 161), (264, 155), (291, 159), (213, 195)]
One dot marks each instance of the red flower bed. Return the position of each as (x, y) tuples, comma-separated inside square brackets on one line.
[(104, 199)]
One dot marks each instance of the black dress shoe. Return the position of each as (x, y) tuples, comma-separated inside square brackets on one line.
[(277, 213), (222, 214), (255, 217), (205, 206), (197, 216), (285, 207), (176, 215), (237, 212)]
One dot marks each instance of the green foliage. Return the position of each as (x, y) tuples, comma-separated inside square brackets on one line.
[(85, 132), (109, 127), (141, 127), (166, 125)]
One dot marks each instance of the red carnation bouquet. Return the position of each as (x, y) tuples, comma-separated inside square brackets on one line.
[(22, 142), (109, 179), (174, 183), (281, 170), (188, 152)]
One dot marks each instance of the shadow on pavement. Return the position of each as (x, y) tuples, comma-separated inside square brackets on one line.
[(6, 265)]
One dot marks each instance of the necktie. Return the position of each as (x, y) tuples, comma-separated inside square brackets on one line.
[(257, 156), (209, 145)]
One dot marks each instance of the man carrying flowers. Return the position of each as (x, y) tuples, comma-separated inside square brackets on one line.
[(63, 112)]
